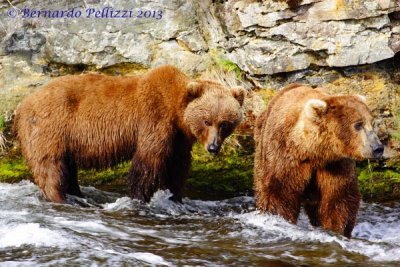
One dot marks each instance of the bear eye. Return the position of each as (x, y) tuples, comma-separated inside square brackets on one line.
[(358, 125), (225, 125), (207, 123)]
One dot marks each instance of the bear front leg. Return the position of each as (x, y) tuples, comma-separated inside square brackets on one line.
[(277, 199), (312, 201), (178, 167), (340, 196), (145, 177), (312, 211), (148, 170)]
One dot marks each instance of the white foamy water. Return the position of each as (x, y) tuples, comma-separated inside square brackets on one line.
[(149, 258), (273, 229), (116, 230), (32, 234)]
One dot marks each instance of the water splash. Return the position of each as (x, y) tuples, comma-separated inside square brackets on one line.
[(116, 230), (16, 235)]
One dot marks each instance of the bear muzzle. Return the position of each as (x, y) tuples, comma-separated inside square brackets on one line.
[(213, 148), (378, 151), (376, 146), (214, 141)]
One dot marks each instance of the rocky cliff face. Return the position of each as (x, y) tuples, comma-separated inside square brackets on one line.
[(270, 42), (261, 37), (334, 33)]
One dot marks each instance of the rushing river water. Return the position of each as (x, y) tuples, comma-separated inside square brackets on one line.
[(118, 231)]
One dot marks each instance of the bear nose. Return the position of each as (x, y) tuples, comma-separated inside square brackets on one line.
[(378, 151), (213, 148)]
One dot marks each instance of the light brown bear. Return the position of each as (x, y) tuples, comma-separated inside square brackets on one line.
[(95, 121), (306, 144)]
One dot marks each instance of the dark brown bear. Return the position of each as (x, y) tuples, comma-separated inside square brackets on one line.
[(307, 142), (95, 121)]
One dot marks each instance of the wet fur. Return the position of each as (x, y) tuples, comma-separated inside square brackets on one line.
[(299, 162), (96, 121)]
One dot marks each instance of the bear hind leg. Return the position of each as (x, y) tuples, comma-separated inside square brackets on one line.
[(50, 176), (349, 227), (72, 179)]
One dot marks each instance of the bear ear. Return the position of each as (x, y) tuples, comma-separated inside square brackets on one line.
[(195, 90), (239, 93), (362, 98), (315, 108)]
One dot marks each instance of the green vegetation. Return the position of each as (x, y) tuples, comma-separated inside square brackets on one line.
[(217, 177), (396, 134), (226, 64), (3, 140), (378, 183), (2, 123), (382, 183), (111, 179), (227, 175), (8, 103), (95, 177), (13, 169)]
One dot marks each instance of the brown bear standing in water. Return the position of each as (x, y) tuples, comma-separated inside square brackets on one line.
[(307, 142), (95, 121)]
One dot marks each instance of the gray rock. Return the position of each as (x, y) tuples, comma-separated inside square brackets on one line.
[(297, 44), (259, 14), (25, 41), (103, 42), (172, 53), (329, 10), (260, 57), (261, 37)]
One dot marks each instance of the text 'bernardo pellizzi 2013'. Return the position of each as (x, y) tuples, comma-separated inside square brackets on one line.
[(89, 13)]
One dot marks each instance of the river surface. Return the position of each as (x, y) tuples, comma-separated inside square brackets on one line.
[(117, 231)]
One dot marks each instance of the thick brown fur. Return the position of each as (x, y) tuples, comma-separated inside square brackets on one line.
[(306, 144), (96, 121)]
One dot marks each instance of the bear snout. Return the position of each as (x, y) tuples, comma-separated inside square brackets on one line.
[(377, 150), (376, 146), (213, 148), (213, 142)]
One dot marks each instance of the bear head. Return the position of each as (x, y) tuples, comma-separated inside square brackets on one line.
[(340, 127), (213, 112)]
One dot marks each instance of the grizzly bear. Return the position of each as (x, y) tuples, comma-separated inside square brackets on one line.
[(95, 121), (306, 146)]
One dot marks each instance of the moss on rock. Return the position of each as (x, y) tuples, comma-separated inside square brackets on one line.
[(216, 177), (13, 169), (379, 183), (225, 64), (211, 177)]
